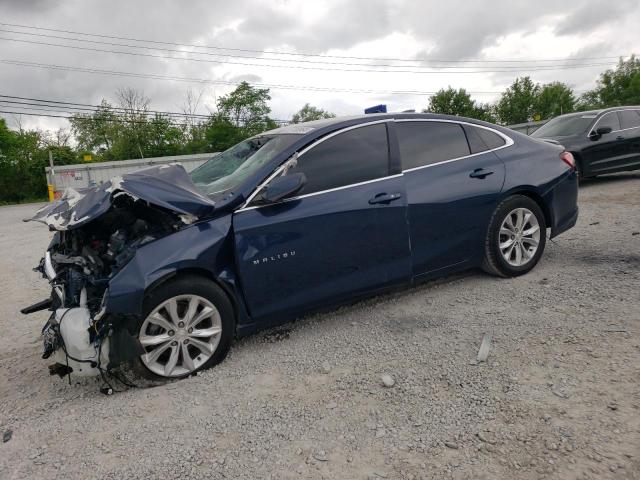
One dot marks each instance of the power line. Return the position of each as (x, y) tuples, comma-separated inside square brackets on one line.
[(92, 108), (303, 54), (297, 60), (220, 82), (297, 67), (111, 120)]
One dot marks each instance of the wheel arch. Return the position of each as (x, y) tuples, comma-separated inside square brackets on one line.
[(199, 272), (536, 197)]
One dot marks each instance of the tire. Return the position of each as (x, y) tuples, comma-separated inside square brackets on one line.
[(500, 256), (580, 169), (159, 315)]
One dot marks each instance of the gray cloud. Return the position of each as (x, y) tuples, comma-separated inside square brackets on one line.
[(455, 30)]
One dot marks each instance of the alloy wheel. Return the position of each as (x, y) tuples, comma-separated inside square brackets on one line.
[(180, 335), (519, 237)]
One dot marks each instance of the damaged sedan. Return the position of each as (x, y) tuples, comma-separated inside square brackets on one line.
[(159, 270)]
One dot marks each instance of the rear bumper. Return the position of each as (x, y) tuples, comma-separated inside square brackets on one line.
[(565, 225), (563, 204)]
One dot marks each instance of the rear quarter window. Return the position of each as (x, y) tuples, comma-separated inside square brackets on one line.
[(481, 139)]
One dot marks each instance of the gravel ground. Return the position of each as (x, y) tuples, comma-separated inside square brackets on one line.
[(559, 396)]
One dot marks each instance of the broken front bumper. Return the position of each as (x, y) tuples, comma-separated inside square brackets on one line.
[(67, 340)]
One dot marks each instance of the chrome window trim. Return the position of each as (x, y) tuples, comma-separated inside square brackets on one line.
[(278, 170), (508, 142), (507, 139), (592, 129), (320, 192)]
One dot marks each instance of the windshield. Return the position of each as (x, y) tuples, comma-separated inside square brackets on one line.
[(565, 126), (231, 168)]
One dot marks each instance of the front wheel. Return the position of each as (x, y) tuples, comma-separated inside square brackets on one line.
[(516, 237), (187, 326)]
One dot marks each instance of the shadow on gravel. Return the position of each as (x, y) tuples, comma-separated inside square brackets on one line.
[(606, 179), (598, 258)]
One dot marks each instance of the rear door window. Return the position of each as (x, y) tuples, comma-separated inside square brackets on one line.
[(426, 143), (629, 118), (351, 157)]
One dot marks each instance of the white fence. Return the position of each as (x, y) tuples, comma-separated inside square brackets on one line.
[(90, 174)]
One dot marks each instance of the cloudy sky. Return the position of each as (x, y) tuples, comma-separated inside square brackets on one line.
[(341, 55)]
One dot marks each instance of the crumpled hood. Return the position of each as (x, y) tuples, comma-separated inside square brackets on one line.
[(167, 186)]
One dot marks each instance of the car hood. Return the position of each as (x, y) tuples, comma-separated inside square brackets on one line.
[(166, 186), (558, 138)]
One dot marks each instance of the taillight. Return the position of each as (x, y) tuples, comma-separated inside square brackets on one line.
[(567, 158)]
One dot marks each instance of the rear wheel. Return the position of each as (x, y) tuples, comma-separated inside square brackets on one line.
[(187, 326), (516, 237)]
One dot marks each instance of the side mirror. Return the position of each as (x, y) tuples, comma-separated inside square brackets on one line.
[(283, 187), (596, 134)]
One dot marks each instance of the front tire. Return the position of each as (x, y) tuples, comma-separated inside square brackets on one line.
[(186, 326), (516, 237)]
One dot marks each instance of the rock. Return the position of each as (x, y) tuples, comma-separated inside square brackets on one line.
[(613, 406), (485, 346), (485, 438), (320, 455), (326, 367), (451, 445), (6, 436), (331, 405), (387, 380)]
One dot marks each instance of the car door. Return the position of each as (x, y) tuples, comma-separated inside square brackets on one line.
[(630, 133), (343, 234), (603, 152), (453, 185)]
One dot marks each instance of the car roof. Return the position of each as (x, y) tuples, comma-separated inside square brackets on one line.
[(308, 127)]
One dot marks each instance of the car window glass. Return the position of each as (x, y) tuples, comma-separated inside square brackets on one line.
[(609, 120), (425, 143), (481, 139), (629, 118), (351, 157), (491, 139)]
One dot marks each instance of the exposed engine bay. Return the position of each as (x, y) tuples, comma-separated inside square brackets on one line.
[(78, 264), (98, 232)]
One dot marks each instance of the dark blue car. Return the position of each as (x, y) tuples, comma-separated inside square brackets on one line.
[(161, 269)]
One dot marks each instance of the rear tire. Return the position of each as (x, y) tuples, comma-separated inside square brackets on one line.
[(516, 237), (186, 326)]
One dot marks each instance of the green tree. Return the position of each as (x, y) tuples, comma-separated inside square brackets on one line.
[(246, 108), (518, 103), (553, 99), (96, 132), (308, 113), (24, 154), (615, 87), (221, 133), (458, 102)]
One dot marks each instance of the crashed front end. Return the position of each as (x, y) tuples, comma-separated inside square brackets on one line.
[(97, 233)]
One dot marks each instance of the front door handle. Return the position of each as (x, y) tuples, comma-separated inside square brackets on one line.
[(385, 198), (480, 173), (619, 137)]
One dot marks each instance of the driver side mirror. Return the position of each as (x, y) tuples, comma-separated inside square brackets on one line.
[(283, 187), (595, 135)]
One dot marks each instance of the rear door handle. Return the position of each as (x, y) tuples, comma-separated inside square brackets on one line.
[(480, 173), (385, 198), (619, 137)]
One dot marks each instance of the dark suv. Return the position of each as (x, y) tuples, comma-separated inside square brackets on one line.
[(602, 141)]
